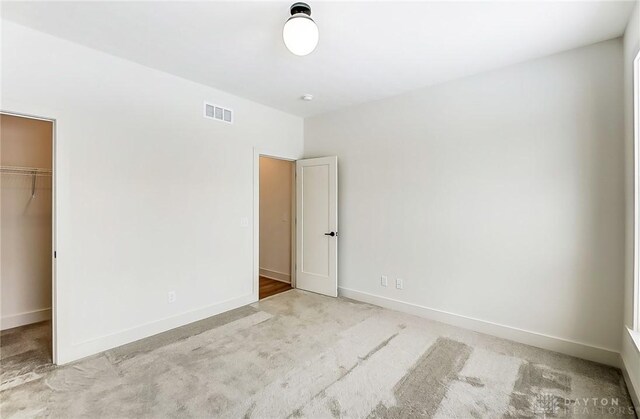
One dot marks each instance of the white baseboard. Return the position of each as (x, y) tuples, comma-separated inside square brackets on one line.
[(633, 392), (631, 366), (552, 343), (96, 345), (21, 319), (278, 276)]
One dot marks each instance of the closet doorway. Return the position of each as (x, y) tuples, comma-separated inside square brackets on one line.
[(27, 252), (276, 222)]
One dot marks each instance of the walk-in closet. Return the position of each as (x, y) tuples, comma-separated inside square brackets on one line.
[(26, 175)]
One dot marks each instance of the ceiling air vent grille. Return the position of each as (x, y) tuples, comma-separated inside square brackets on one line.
[(218, 113)]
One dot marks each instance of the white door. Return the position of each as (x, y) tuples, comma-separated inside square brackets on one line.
[(317, 225)]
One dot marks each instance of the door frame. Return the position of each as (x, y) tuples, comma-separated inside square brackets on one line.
[(635, 304), (54, 281), (257, 153)]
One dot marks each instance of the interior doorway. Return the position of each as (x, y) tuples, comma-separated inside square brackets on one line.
[(276, 223), (313, 221), (27, 236)]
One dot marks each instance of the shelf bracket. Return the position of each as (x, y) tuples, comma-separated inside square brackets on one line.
[(33, 184)]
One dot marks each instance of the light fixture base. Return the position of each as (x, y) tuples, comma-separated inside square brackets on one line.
[(300, 7)]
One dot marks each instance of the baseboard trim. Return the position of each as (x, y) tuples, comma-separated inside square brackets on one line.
[(552, 343), (278, 276), (96, 345), (630, 362), (633, 392), (22, 319)]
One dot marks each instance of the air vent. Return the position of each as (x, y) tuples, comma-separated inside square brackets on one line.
[(218, 113)]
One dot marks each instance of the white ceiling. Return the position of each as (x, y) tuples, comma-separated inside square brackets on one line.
[(367, 50)]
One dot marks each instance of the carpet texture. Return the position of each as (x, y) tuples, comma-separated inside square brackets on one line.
[(298, 354), (25, 354)]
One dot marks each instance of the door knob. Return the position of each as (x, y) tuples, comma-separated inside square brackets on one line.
[(333, 233)]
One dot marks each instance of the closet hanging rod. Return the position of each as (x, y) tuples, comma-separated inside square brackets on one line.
[(27, 171)]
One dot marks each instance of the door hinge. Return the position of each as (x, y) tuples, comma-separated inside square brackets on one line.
[(55, 254)]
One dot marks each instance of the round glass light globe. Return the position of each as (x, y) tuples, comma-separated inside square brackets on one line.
[(300, 34)]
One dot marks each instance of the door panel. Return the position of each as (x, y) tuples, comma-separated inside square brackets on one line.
[(317, 217)]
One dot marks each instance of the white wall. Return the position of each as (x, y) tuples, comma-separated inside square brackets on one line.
[(149, 194), (276, 180), (630, 352), (497, 197), (25, 223)]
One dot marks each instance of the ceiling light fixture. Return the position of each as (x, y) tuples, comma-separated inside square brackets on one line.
[(300, 33)]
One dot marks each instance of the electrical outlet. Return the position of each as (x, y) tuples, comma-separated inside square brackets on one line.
[(383, 281), (399, 284), (171, 297), (244, 222)]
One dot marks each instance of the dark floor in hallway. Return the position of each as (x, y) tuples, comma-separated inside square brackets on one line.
[(269, 287)]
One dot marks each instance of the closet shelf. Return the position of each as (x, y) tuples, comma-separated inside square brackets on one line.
[(27, 171)]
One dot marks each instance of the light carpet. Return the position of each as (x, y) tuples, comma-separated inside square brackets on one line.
[(298, 354)]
